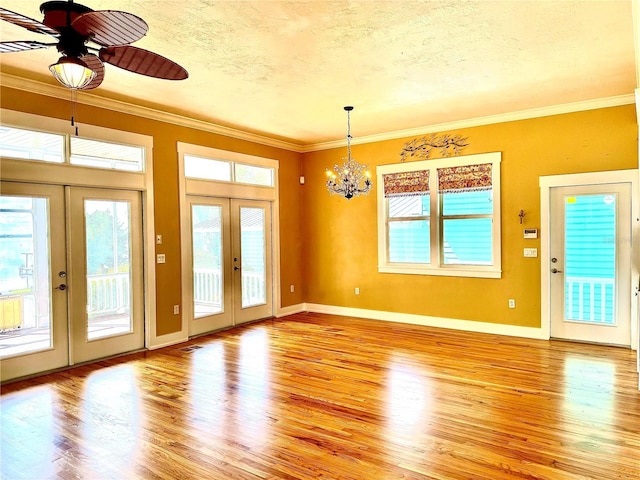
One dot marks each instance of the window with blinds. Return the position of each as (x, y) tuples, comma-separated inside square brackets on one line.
[(440, 217)]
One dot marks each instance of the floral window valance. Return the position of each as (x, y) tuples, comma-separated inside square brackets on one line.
[(405, 184), (466, 178)]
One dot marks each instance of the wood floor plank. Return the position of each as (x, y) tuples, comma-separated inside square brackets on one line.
[(316, 396)]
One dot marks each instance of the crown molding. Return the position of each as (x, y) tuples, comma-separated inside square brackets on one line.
[(595, 104), (41, 88), (93, 100)]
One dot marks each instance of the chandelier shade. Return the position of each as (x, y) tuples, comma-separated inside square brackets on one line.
[(72, 72), (351, 178)]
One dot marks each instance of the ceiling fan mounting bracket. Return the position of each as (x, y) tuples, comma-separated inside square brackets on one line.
[(59, 14)]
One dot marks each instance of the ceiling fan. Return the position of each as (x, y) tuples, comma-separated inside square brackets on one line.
[(76, 27)]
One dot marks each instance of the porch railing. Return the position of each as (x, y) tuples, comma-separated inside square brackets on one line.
[(207, 287), (108, 294), (590, 299)]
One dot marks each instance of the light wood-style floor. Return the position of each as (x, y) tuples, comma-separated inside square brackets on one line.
[(314, 396)]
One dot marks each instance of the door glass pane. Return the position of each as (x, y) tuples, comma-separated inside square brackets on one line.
[(108, 238), (206, 232), (590, 252), (25, 291), (253, 256)]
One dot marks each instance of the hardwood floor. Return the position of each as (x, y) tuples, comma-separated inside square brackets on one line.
[(315, 396)]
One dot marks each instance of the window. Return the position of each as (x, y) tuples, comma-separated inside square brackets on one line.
[(25, 144), (227, 171), (31, 145), (207, 168), (440, 217)]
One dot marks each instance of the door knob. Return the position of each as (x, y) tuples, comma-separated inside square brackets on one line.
[(62, 286), (236, 268), (555, 270)]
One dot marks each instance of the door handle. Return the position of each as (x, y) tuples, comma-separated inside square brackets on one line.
[(235, 267), (555, 270), (62, 286)]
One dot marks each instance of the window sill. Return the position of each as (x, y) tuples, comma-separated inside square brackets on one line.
[(488, 272)]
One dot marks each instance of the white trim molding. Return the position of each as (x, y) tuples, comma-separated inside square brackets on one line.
[(290, 310), (91, 99), (595, 104), (428, 321)]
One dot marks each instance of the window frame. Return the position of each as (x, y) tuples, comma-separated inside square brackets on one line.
[(437, 265)]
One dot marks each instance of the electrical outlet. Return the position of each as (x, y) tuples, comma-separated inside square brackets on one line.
[(531, 252), (292, 288), (161, 258), (357, 291), (176, 309), (512, 303)]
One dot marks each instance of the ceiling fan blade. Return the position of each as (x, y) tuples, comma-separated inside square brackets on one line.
[(21, 46), (94, 63), (26, 22), (143, 62), (110, 27)]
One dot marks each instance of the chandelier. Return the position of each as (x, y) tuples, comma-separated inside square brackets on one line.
[(351, 179)]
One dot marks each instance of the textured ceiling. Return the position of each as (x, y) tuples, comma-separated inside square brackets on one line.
[(285, 69)]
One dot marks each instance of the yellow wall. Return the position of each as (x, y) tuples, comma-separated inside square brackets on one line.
[(340, 251), (165, 176), (329, 244)]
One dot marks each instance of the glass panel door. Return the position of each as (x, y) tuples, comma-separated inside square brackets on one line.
[(590, 258), (251, 222), (590, 263), (208, 266), (252, 239), (33, 298), (105, 281), (108, 263)]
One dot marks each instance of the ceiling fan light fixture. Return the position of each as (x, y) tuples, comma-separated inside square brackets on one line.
[(72, 72)]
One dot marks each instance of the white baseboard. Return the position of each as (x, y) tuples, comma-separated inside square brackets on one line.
[(451, 323), (290, 310), (167, 340)]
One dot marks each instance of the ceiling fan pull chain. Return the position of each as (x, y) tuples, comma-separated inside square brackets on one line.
[(73, 110)]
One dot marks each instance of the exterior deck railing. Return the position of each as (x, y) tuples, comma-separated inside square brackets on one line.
[(207, 287), (590, 299)]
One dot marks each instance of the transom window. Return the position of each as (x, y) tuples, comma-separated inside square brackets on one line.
[(227, 171), (440, 217), (25, 144)]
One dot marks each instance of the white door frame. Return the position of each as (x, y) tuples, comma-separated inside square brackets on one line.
[(229, 190), (572, 180)]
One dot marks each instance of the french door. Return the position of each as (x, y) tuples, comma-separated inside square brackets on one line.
[(70, 276), (231, 267), (590, 264)]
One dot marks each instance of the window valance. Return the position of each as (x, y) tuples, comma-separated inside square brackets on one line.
[(465, 178), (405, 184)]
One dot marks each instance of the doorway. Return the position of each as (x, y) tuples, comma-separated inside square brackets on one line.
[(231, 262), (71, 286), (587, 262)]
